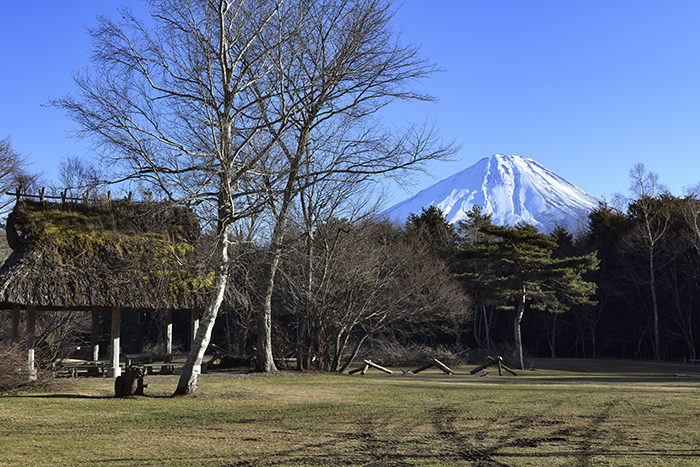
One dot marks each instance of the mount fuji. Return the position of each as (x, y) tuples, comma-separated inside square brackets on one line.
[(513, 189)]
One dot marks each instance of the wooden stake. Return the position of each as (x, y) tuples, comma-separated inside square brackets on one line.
[(442, 366), (486, 365), (364, 370), (374, 365), (423, 368), (509, 370)]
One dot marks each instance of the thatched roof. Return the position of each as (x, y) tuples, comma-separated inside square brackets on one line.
[(138, 256)]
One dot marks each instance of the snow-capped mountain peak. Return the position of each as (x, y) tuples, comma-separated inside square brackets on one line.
[(513, 189)]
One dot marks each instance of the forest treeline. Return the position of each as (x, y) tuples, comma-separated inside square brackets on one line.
[(631, 291), (645, 277), (428, 283)]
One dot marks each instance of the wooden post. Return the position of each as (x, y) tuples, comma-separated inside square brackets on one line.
[(14, 332), (442, 366), (114, 368), (168, 322), (501, 366), (423, 368), (486, 365), (95, 334), (194, 326), (508, 369), (31, 340), (369, 363)]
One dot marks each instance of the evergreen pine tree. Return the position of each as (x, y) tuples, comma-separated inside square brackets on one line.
[(521, 269)]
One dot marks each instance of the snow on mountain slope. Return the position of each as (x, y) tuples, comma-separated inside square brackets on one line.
[(512, 188)]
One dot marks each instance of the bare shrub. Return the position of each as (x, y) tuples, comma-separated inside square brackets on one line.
[(14, 371), (58, 334)]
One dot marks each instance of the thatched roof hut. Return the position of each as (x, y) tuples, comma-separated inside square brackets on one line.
[(119, 255), (73, 256)]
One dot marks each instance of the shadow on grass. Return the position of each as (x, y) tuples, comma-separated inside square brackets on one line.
[(678, 453), (84, 396)]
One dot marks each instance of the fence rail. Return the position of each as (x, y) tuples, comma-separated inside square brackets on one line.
[(42, 196)]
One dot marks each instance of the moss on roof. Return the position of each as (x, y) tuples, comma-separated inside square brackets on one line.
[(75, 256)]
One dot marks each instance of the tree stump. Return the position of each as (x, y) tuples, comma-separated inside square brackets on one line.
[(130, 383)]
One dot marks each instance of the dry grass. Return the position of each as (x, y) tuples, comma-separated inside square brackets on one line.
[(589, 413)]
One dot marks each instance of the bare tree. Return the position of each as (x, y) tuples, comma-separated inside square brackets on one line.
[(13, 174), (654, 219), (231, 106), (368, 279), (171, 103), (340, 65), (79, 177)]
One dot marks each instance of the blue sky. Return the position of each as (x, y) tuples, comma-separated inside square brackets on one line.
[(586, 88)]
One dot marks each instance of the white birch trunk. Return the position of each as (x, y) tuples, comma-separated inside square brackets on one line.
[(518, 338), (188, 379)]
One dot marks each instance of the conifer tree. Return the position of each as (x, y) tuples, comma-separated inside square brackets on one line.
[(521, 270), (433, 229)]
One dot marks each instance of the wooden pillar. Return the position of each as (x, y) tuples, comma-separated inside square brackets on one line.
[(14, 333), (194, 326), (31, 340), (114, 368), (95, 336), (168, 322)]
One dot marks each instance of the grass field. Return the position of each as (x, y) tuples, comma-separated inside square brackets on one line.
[(567, 412)]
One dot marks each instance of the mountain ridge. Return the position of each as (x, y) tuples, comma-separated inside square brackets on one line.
[(513, 189)]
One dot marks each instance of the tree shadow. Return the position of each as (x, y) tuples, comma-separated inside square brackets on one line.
[(85, 396)]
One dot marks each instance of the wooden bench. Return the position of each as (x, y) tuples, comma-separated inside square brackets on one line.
[(137, 357), (166, 367), (74, 367)]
